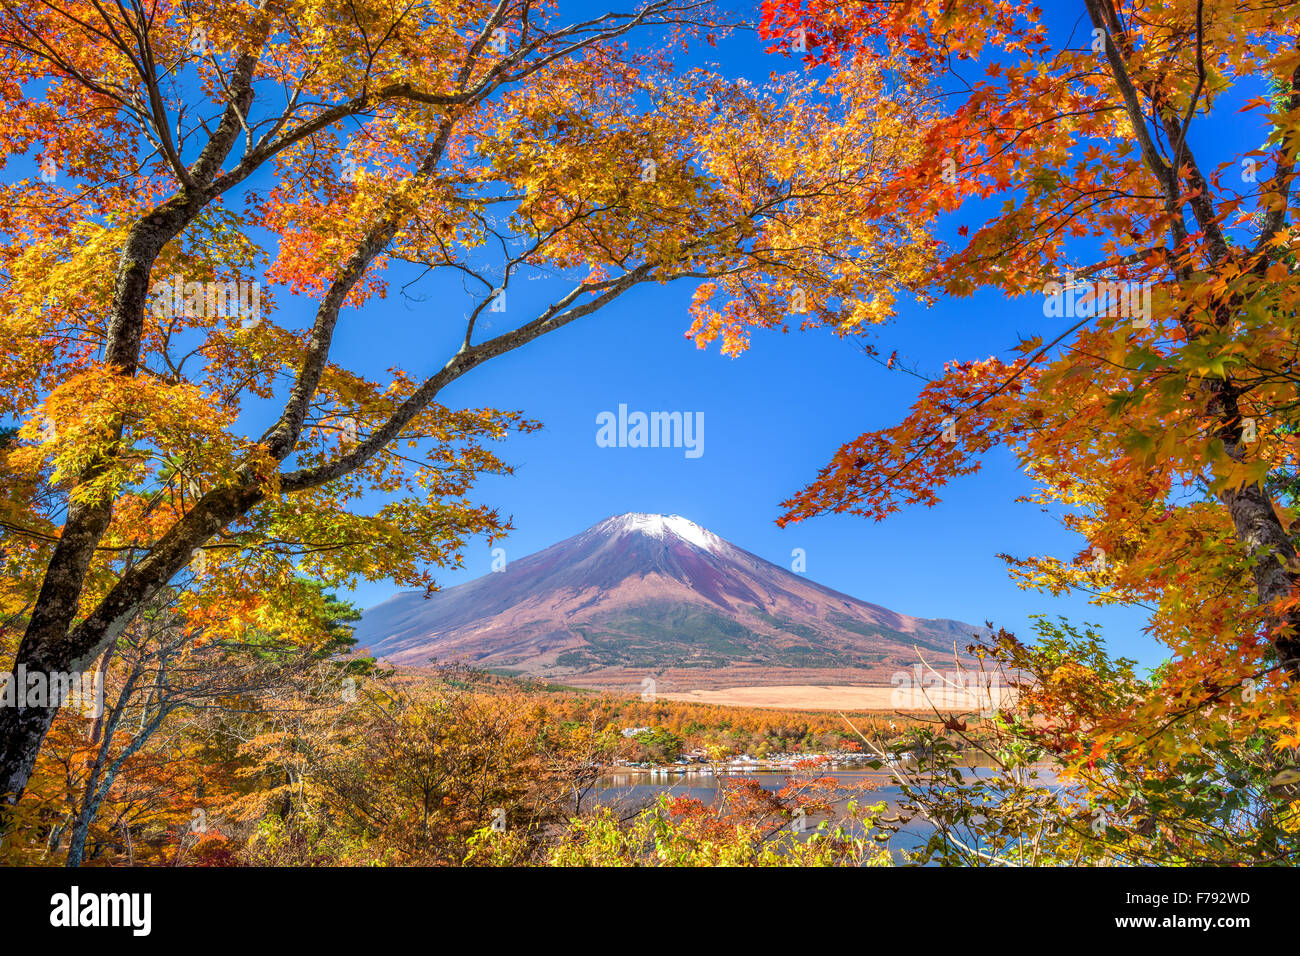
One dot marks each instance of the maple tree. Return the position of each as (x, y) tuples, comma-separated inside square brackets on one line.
[(1157, 414), (142, 758), (175, 425)]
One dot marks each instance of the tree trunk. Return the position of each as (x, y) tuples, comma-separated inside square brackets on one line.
[(1266, 541), (21, 731), (70, 651)]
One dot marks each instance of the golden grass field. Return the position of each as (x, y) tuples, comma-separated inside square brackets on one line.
[(838, 697)]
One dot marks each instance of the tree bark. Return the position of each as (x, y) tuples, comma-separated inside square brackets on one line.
[(1267, 543)]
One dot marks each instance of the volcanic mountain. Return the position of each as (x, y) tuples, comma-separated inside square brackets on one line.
[(641, 595)]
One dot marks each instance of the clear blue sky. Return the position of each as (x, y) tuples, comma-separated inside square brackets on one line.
[(772, 418)]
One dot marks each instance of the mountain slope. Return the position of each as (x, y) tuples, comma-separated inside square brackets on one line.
[(652, 595)]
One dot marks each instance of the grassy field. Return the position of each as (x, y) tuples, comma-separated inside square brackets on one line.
[(830, 697)]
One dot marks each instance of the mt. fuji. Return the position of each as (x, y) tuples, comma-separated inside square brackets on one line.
[(652, 595)]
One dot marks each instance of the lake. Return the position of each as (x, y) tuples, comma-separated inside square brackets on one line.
[(628, 791)]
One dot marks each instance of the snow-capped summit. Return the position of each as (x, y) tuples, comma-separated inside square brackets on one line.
[(660, 526)]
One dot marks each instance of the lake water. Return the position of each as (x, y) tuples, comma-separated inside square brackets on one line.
[(628, 791)]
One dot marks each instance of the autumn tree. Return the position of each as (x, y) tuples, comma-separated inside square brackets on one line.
[(408, 768), (576, 755), (802, 824), (173, 425), (1157, 410), (147, 745), (170, 684)]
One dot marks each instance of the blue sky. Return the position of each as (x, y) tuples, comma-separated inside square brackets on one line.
[(772, 418)]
